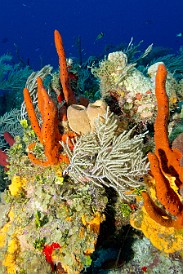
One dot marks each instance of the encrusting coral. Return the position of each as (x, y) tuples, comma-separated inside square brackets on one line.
[(127, 85), (129, 91), (18, 185), (166, 239)]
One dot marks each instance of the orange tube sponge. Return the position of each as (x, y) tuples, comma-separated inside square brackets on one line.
[(164, 165), (163, 150), (48, 134), (31, 113), (64, 76)]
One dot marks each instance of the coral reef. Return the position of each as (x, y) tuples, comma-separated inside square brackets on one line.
[(147, 259), (78, 194), (131, 89), (173, 62), (48, 212), (52, 221)]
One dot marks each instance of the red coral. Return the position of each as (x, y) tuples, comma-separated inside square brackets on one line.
[(3, 156), (48, 250), (9, 138)]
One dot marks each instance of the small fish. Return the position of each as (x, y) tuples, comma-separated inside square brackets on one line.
[(99, 36), (25, 5), (179, 34)]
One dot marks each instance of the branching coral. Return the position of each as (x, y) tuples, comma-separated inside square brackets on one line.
[(132, 49), (107, 158), (173, 62), (12, 80), (12, 76)]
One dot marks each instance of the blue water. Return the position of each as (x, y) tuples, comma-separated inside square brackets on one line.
[(27, 26)]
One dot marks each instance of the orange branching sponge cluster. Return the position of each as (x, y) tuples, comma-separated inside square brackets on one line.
[(164, 165), (48, 134)]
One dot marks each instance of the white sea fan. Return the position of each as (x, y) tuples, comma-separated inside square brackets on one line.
[(108, 159), (10, 122), (31, 84)]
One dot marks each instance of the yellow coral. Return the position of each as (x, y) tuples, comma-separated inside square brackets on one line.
[(10, 257), (17, 185), (3, 233), (166, 239), (89, 251), (11, 215), (5, 228), (94, 224)]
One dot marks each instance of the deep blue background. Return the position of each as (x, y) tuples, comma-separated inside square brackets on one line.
[(30, 25)]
